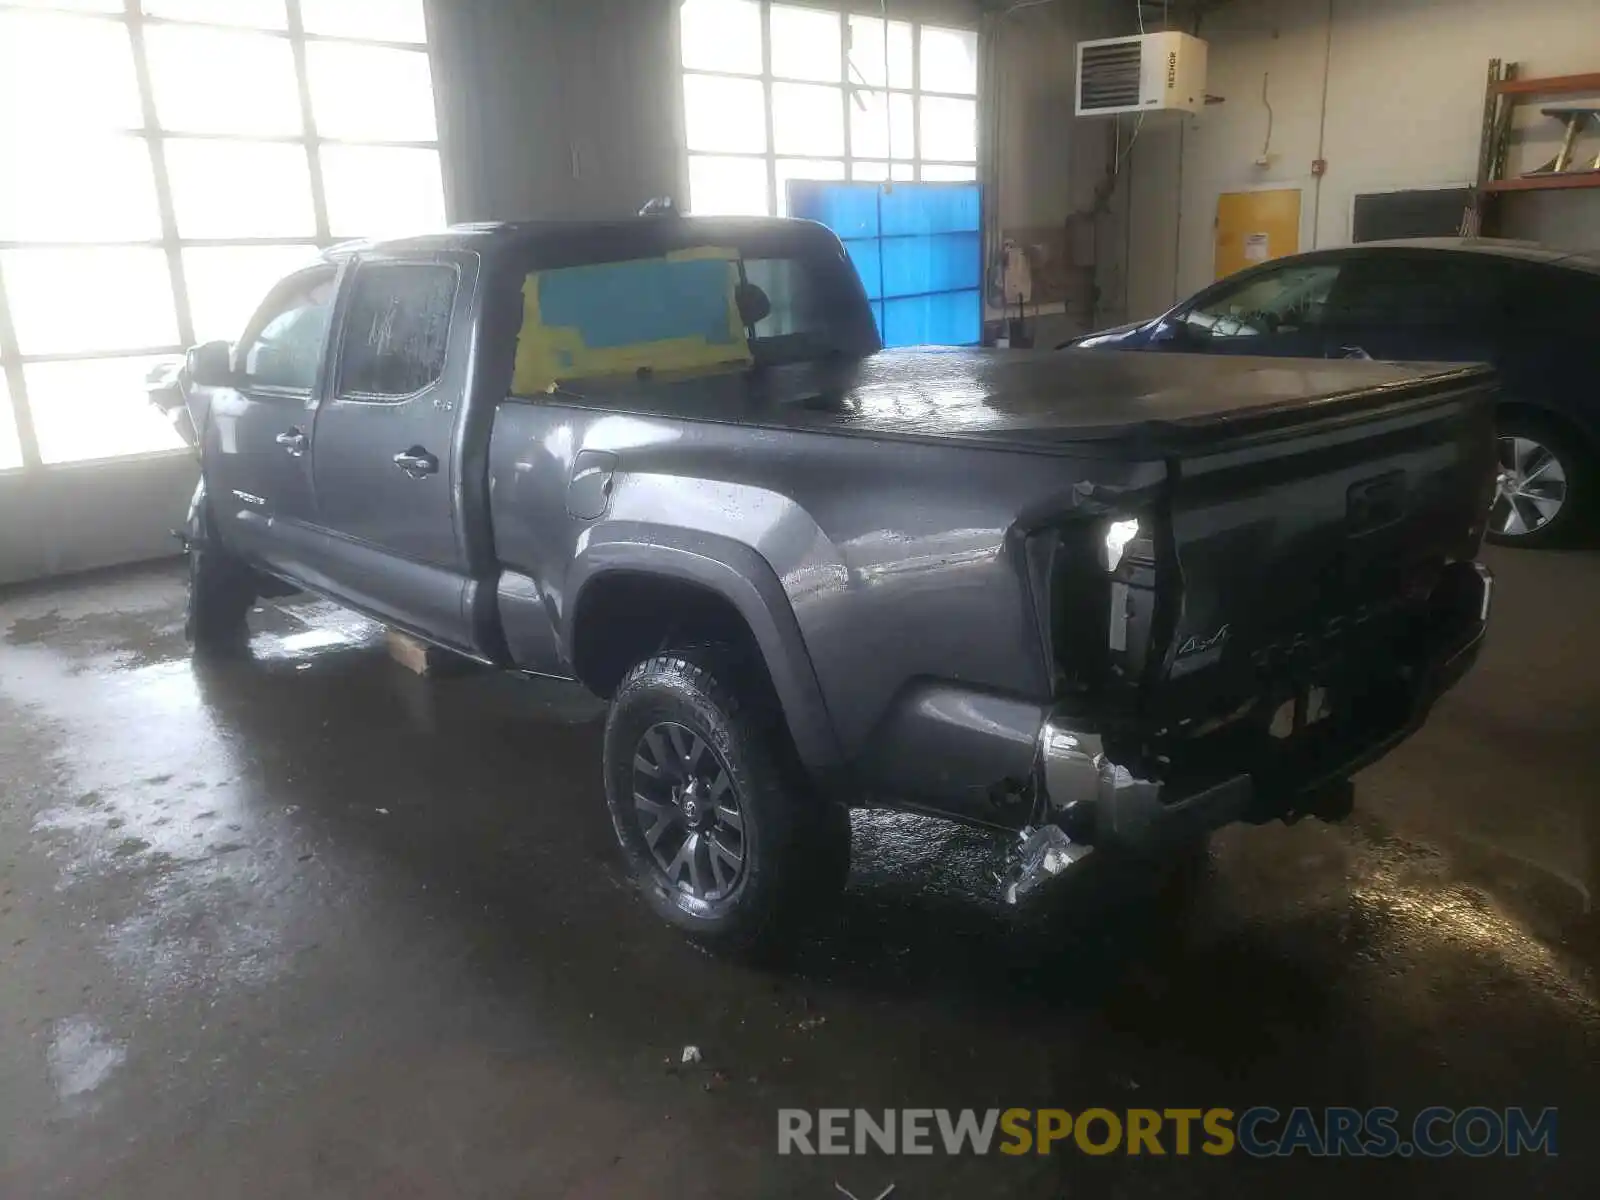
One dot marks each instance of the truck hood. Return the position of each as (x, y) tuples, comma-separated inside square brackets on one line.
[(1047, 400)]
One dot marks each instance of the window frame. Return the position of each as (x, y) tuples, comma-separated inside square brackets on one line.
[(270, 307), (847, 86), (349, 280), (130, 16)]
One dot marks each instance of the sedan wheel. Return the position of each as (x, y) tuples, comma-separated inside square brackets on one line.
[(1531, 489)]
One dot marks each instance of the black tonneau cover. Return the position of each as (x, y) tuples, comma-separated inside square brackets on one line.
[(1056, 400)]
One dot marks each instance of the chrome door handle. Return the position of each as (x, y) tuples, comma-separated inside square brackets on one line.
[(417, 462), (294, 442)]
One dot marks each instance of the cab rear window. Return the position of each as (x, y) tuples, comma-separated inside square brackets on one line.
[(699, 309)]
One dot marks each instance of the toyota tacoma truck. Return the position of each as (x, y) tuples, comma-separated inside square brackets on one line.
[(1101, 604)]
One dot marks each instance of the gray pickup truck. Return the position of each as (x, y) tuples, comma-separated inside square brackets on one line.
[(1102, 603)]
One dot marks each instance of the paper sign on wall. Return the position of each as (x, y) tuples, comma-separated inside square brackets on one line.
[(1257, 247)]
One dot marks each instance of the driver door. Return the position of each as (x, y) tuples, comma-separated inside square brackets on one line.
[(1278, 312), (258, 469)]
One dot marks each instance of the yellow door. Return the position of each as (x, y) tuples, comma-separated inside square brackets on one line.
[(1253, 227)]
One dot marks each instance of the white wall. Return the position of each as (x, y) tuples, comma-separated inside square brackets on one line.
[(56, 520), (1043, 164), (555, 109), (1049, 160), (1405, 82)]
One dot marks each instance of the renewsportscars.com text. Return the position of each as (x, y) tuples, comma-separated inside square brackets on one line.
[(1261, 1132)]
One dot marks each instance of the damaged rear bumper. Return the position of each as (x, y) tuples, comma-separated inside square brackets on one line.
[(1091, 803)]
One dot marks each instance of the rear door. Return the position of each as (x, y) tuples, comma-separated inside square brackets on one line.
[(391, 538), (1548, 356), (257, 465)]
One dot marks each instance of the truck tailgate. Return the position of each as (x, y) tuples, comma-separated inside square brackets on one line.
[(1301, 536)]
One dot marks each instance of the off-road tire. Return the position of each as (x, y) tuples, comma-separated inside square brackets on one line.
[(221, 591), (796, 848)]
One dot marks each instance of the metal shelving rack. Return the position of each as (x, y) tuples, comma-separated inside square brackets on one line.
[(1502, 94)]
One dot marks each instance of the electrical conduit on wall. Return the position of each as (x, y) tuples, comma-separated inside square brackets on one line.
[(1322, 134)]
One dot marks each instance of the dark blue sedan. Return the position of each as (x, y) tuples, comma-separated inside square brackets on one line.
[(1532, 311)]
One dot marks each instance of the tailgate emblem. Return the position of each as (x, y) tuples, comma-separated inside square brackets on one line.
[(1199, 644), (1376, 502), (1199, 651)]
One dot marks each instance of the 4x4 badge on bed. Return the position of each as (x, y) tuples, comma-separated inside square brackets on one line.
[(1199, 645)]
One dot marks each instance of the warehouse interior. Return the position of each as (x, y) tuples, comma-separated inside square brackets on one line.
[(312, 924)]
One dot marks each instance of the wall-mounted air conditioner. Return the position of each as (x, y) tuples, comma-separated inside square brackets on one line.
[(1151, 72)]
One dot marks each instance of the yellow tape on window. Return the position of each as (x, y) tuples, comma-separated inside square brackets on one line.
[(581, 322)]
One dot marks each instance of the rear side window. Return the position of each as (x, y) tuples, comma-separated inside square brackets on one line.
[(396, 330), (1402, 291), (285, 340)]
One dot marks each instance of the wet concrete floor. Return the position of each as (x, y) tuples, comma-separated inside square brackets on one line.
[(307, 925)]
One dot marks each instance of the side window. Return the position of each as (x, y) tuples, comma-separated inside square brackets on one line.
[(1406, 291), (396, 330), (1288, 300), (285, 340)]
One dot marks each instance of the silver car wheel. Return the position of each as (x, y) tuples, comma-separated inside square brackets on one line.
[(1530, 490)]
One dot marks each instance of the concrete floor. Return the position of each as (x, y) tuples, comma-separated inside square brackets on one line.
[(307, 925)]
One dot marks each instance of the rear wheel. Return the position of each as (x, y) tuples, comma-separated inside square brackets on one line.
[(714, 818), (1543, 489)]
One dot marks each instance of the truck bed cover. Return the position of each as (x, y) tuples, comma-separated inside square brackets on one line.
[(1061, 401)]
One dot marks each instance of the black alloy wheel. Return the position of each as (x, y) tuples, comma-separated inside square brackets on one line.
[(688, 812), (717, 821)]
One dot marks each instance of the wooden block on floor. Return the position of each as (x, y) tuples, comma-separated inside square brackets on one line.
[(420, 657)]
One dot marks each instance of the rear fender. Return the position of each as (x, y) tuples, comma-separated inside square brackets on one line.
[(742, 577)]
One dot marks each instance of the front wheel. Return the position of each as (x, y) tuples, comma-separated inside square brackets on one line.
[(1543, 488), (714, 818), (220, 595)]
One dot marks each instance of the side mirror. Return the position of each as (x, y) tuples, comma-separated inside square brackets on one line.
[(210, 365)]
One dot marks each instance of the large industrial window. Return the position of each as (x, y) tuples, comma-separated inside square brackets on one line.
[(774, 92), (164, 162)]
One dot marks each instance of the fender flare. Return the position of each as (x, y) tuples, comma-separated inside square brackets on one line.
[(197, 524), (738, 574)]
